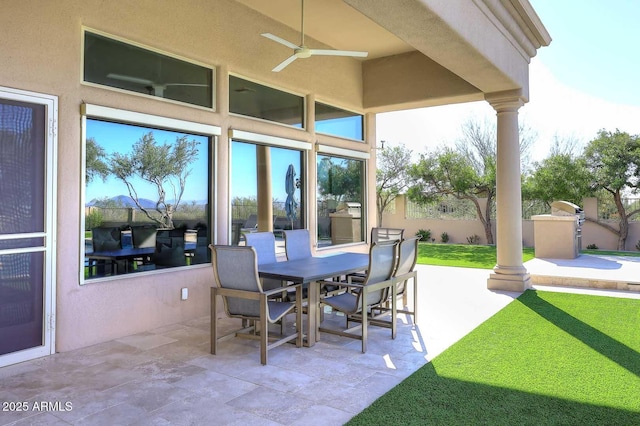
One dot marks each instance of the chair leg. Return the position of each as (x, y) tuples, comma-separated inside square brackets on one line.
[(214, 330), (264, 329), (364, 320), (394, 310)]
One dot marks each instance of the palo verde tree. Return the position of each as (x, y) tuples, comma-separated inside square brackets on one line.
[(392, 176), (466, 172), (165, 166), (613, 161)]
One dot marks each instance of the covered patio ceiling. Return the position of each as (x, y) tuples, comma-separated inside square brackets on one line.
[(422, 52)]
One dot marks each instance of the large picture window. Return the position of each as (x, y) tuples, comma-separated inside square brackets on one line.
[(266, 182), (258, 101), (340, 198), (147, 198), (339, 122), (122, 65)]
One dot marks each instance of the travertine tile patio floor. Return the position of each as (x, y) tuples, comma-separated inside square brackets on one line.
[(168, 377)]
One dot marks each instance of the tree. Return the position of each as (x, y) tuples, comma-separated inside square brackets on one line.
[(563, 175), (340, 180), (467, 172), (161, 165), (95, 157), (613, 160), (391, 176), (448, 172)]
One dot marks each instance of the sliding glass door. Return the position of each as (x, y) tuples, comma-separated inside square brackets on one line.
[(27, 151)]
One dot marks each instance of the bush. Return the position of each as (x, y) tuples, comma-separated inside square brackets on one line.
[(474, 239), (93, 220), (638, 245), (425, 235), (444, 237), (592, 247)]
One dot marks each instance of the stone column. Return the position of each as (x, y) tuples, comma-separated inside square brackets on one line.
[(509, 273), (265, 200)]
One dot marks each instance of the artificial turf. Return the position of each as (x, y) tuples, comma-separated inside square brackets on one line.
[(461, 255), (545, 359)]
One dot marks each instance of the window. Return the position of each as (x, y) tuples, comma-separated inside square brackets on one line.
[(266, 181), (147, 193), (338, 122), (126, 66), (340, 195), (258, 101)]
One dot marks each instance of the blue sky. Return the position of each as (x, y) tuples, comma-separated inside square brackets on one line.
[(120, 137), (584, 81)]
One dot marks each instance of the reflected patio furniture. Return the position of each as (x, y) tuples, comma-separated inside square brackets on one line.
[(251, 224), (144, 237), (104, 239), (237, 282), (373, 292)]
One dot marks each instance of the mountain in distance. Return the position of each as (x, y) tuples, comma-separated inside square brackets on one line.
[(126, 201)]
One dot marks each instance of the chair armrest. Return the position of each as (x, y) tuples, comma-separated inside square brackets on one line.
[(404, 277), (380, 285), (348, 284), (280, 290), (241, 294)]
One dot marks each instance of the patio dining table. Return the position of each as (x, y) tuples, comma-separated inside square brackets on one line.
[(313, 270)]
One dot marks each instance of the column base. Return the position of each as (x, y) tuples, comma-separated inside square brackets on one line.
[(515, 282)]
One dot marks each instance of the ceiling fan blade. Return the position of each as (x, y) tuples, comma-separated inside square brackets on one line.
[(280, 40), (130, 79), (329, 52), (284, 63)]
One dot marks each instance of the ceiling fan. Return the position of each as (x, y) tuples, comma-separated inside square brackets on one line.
[(301, 51), (156, 89)]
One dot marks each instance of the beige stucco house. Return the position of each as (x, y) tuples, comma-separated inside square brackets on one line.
[(85, 82)]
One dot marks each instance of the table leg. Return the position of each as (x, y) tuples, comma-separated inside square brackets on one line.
[(313, 313)]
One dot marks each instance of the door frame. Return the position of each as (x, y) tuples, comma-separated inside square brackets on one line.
[(49, 235)]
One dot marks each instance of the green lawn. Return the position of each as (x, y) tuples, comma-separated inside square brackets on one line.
[(545, 359), (462, 255)]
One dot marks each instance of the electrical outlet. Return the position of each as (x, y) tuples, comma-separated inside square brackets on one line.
[(184, 294)]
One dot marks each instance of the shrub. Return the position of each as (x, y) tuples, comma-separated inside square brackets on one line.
[(444, 237), (93, 220), (424, 234), (474, 239), (592, 247)]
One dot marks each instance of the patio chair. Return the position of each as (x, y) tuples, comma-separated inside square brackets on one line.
[(371, 293), (386, 234), (297, 244), (265, 245), (379, 235), (237, 282), (405, 270)]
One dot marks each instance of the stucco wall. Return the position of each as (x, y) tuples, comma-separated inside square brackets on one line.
[(41, 52), (459, 230)]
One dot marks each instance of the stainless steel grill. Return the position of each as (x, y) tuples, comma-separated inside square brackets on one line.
[(565, 208)]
